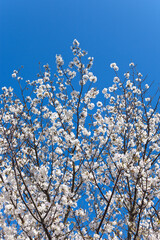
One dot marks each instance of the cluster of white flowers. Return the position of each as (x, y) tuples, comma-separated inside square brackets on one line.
[(59, 60), (75, 164), (131, 64), (127, 75), (114, 66)]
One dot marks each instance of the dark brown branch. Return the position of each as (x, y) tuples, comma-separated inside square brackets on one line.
[(105, 212)]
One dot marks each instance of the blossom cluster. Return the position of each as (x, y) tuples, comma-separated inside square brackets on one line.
[(75, 164)]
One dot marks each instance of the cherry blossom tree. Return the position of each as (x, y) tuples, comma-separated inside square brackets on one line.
[(78, 164)]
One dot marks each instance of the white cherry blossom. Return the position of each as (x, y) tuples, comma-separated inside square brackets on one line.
[(76, 163)]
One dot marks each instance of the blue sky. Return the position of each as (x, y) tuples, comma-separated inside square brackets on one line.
[(118, 31)]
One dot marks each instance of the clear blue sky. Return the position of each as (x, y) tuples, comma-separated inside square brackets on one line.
[(120, 31)]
